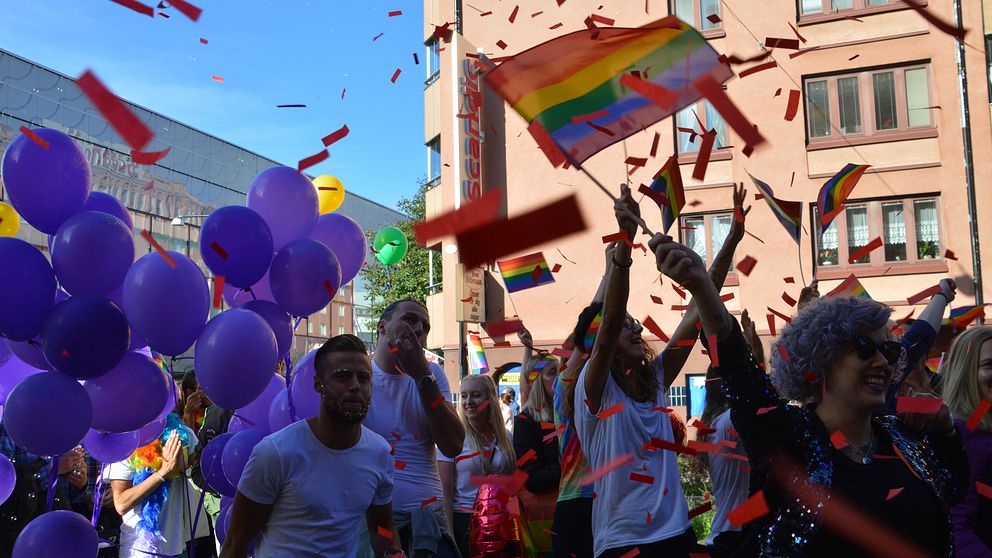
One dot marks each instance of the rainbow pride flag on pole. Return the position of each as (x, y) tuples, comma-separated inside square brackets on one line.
[(525, 272), (850, 287), (961, 317), (789, 213), (477, 363), (830, 201), (570, 93), (668, 181)]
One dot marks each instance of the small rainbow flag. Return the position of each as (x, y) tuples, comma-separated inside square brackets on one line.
[(789, 213), (593, 331), (668, 181), (833, 194), (570, 90), (525, 272), (850, 287), (477, 363), (961, 317)]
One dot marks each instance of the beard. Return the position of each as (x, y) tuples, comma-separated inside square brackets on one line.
[(340, 413)]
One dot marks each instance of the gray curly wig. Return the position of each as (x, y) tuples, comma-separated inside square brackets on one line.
[(815, 335)]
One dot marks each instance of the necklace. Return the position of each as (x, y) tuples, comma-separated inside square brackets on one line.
[(865, 453)]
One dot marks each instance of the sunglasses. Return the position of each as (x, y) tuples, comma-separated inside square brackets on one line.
[(866, 348)]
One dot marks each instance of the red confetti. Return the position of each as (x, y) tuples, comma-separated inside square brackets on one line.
[(384, 533), (678, 291), (653, 92), (634, 551), (376, 38), (655, 196), (396, 74), (785, 318), (746, 265), (218, 79), (329, 287), (312, 160), (120, 117), (727, 297), (702, 428), (865, 250), (501, 44), (701, 509), (749, 510), (42, 142), (479, 212), (467, 299), (483, 405), (547, 145), (803, 51), (793, 107), (505, 327), (919, 405), (556, 268), (714, 353), (714, 93), (147, 235), (654, 144), (513, 14), (535, 14), (396, 13), (342, 93), (136, 6), (461, 458), (218, 290), (437, 402), (601, 19), (790, 280), (335, 136), (764, 410), (783, 352), (601, 129), (983, 489), (796, 31), (401, 465), (591, 116), (636, 161), (978, 415), (609, 412), (893, 492), (528, 456), (595, 474), (771, 323), (950, 255), (484, 14), (838, 439), (656, 299), (658, 443), (788, 299), (428, 501), (713, 18), (148, 157), (772, 42), (755, 69), (615, 237), (646, 479), (556, 26), (650, 325), (204, 41), (555, 434), (703, 156), (927, 293), (187, 9)]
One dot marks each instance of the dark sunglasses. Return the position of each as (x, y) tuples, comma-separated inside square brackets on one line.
[(866, 348)]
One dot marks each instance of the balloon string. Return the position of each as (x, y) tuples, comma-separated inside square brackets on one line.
[(97, 498), (289, 386), (53, 478)]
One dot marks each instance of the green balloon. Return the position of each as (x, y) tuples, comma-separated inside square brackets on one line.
[(390, 246)]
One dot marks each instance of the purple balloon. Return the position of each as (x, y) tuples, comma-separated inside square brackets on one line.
[(223, 522), (306, 401), (46, 186), (304, 277), (150, 432), (5, 353), (346, 239), (172, 399), (256, 413), (238, 424), (11, 374), (287, 200), (210, 465), (104, 202), (278, 320), (57, 534), (235, 242), (85, 336), (91, 253), (129, 396), (235, 357), (8, 478), (27, 288), (235, 297), (30, 352), (166, 306), (237, 451), (48, 413), (137, 342), (110, 448), (279, 416)]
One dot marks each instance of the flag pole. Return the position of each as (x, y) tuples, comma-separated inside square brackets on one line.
[(606, 191)]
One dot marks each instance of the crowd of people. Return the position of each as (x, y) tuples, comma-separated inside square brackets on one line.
[(811, 452)]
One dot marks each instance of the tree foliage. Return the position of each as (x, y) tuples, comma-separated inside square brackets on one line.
[(409, 278)]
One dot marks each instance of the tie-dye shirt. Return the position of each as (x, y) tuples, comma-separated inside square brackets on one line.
[(574, 466)]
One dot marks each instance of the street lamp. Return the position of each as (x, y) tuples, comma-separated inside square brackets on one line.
[(180, 221)]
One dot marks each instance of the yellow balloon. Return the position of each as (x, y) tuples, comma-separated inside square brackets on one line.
[(330, 193), (9, 220)]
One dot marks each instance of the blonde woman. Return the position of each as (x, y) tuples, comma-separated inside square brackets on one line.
[(488, 450), (967, 372)]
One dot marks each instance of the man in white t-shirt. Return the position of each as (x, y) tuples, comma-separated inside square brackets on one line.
[(413, 412), (308, 487)]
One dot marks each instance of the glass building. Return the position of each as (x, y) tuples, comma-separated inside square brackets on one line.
[(200, 173)]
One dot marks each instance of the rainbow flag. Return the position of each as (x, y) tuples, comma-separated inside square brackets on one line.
[(525, 272), (570, 93), (789, 213), (593, 330), (850, 287), (961, 317), (668, 181), (833, 194), (477, 363)]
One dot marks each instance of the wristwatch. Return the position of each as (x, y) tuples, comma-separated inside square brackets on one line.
[(426, 382)]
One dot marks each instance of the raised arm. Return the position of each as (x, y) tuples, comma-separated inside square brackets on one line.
[(523, 382), (614, 305), (126, 496), (933, 314)]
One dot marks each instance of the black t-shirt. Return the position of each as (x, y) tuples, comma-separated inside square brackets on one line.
[(914, 514)]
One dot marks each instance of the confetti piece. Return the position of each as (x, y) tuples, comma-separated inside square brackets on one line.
[(796, 31), (136, 6), (772, 42), (983, 489), (298, 105), (784, 318), (701, 509), (609, 412), (838, 439), (555, 434), (853, 57), (547, 145), (147, 235), (556, 268), (535, 14), (714, 353), (658, 443), (218, 290), (771, 323), (704, 447), (595, 474), (802, 51), (777, 93), (376, 38), (943, 26), (788, 299), (384, 533), (561, 353), (461, 458), (749, 510), (631, 553), (765, 410), (42, 142), (467, 299), (790, 280), (335, 136), (703, 156), (501, 44), (187, 9), (483, 405), (513, 14), (502, 328), (601, 129), (615, 237), (654, 144), (680, 307), (657, 197), (218, 79), (530, 455), (395, 13), (650, 325), (479, 212), (727, 297), (783, 352), (538, 226), (148, 158), (312, 160), (919, 405), (342, 93), (166, 16), (204, 41), (950, 255), (746, 265), (755, 69), (651, 91), (646, 479), (656, 299), (396, 74), (793, 107), (428, 501), (437, 402), (978, 415), (865, 250), (926, 293), (484, 14), (713, 18), (702, 428), (893, 492), (130, 127)]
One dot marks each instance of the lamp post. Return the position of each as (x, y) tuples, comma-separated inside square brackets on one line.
[(180, 221)]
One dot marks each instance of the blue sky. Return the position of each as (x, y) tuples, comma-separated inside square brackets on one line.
[(269, 52)]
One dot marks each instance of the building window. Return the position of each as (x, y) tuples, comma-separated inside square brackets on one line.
[(340, 330), (323, 310), (676, 396), (869, 104), (323, 330), (813, 7), (697, 13), (341, 310), (433, 60), (309, 327), (688, 122), (910, 230), (705, 234), (434, 159)]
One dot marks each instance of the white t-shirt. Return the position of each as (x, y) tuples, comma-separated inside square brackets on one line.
[(397, 415), (465, 469), (620, 509), (318, 495), (730, 482), (173, 519)]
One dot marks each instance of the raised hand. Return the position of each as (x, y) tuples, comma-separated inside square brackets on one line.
[(740, 213), (409, 352), (679, 262), (949, 289), (170, 455), (525, 338), (628, 213), (808, 294)]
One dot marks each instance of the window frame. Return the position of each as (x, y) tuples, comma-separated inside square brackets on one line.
[(431, 49), (866, 106), (724, 153), (876, 264), (860, 9), (683, 395), (432, 180), (714, 33), (732, 279)]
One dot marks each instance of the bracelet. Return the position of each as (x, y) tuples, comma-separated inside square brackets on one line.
[(159, 475), (630, 262)]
